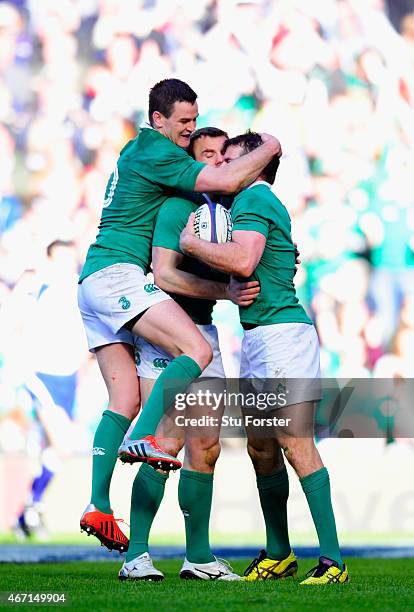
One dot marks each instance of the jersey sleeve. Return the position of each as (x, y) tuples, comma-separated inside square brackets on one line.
[(170, 166), (171, 220), (246, 216)]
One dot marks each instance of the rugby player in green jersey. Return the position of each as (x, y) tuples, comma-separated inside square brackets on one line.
[(196, 287), (118, 301), (280, 342)]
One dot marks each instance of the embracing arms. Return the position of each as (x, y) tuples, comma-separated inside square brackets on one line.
[(238, 257), (168, 276)]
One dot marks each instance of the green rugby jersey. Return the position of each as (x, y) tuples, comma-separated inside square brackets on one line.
[(171, 220), (150, 167), (258, 209)]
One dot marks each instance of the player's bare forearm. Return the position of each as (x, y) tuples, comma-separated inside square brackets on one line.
[(169, 276), (227, 257), (185, 283), (238, 257), (245, 173)]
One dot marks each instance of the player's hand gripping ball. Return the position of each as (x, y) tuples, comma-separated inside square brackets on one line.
[(212, 222)]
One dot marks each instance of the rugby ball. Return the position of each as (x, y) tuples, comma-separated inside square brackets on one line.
[(212, 222)]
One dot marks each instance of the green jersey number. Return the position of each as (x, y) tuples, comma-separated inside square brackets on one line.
[(112, 183)]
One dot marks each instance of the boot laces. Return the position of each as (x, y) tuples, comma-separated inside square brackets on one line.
[(224, 565), (254, 564)]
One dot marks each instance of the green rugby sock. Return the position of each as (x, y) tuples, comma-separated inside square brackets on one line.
[(317, 489), (108, 437), (176, 377), (195, 491), (147, 493), (274, 493)]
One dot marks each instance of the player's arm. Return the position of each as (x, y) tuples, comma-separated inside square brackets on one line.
[(170, 278), (176, 169), (238, 257), (237, 174)]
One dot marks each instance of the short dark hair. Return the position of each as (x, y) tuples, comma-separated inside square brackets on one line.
[(249, 142), (213, 132), (58, 243), (164, 94)]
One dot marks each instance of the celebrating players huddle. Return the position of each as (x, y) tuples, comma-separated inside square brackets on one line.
[(154, 338)]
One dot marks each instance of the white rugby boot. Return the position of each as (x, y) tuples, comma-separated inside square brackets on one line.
[(140, 568), (215, 570)]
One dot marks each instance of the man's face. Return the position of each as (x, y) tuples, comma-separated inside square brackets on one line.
[(207, 149), (233, 152), (179, 126)]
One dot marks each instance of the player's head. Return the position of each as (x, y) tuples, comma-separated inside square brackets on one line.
[(206, 145), (173, 110), (240, 145)]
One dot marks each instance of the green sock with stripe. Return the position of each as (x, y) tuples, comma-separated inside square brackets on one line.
[(108, 437), (147, 493), (195, 492)]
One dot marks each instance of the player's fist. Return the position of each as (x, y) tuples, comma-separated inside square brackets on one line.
[(267, 138), (242, 294)]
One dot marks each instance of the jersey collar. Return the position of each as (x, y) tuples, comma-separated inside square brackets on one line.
[(259, 183), (145, 126)]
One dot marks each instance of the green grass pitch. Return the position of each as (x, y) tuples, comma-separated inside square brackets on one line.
[(383, 584)]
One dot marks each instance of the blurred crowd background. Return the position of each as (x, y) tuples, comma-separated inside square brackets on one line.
[(333, 79)]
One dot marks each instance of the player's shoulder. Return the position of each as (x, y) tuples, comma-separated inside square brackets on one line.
[(151, 143), (253, 198), (261, 190), (128, 147), (264, 196)]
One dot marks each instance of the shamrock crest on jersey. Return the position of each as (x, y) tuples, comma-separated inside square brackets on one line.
[(160, 363), (151, 288)]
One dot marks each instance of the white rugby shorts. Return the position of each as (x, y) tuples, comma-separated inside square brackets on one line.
[(110, 298), (283, 351), (151, 360)]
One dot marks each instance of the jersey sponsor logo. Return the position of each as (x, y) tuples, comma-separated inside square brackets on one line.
[(98, 450), (160, 363), (151, 288), (125, 303)]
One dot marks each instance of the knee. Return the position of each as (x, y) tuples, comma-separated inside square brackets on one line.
[(302, 455), (207, 356), (199, 350), (202, 455), (211, 454), (294, 448), (202, 354), (125, 400), (266, 458), (259, 452), (128, 408)]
